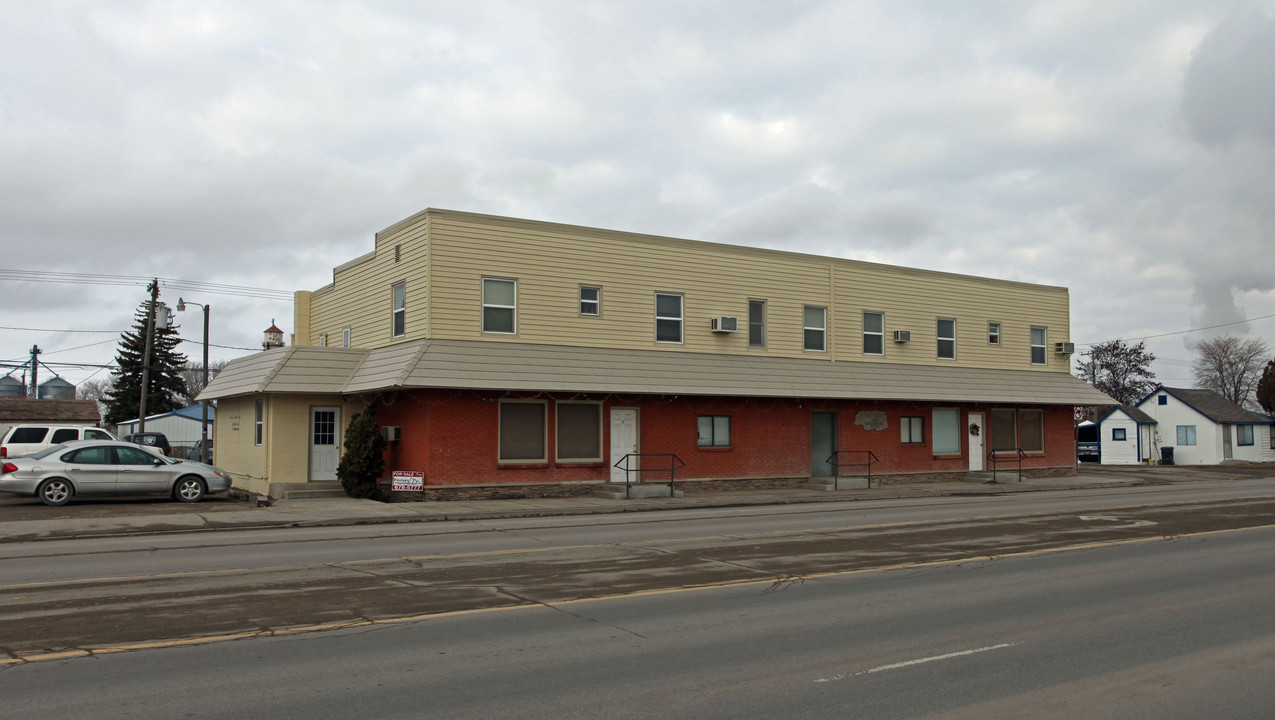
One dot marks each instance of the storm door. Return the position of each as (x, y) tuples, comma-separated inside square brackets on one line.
[(823, 443)]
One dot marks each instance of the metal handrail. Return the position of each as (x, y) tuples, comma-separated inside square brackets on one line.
[(836, 463), (1018, 455), (674, 464)]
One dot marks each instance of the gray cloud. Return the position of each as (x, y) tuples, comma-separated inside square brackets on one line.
[(1122, 150)]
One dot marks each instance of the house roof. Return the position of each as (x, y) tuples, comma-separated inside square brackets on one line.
[(190, 412), (1134, 413), (475, 364), (14, 409), (1212, 406)]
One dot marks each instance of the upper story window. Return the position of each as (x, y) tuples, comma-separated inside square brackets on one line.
[(345, 337), (946, 332), (815, 327), (756, 323), (500, 305), (399, 314), (590, 300), (1162, 400), (668, 318), (993, 333), (873, 333), (1038, 346)]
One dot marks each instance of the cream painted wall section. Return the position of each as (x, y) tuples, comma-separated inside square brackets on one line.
[(361, 294), (284, 454), (289, 433), (550, 263), (234, 447)]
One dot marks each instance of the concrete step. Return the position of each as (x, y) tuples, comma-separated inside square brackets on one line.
[(1000, 476), (301, 491), (616, 491), (845, 482)]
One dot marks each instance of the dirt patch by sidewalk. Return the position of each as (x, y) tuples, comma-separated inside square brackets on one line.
[(18, 507)]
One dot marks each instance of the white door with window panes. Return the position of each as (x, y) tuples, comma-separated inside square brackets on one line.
[(624, 441), (325, 442)]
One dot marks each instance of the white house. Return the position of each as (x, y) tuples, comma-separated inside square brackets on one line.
[(1127, 436), (1200, 427)]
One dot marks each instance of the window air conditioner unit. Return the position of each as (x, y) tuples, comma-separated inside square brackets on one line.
[(1064, 348), (902, 336), (392, 433), (725, 324)]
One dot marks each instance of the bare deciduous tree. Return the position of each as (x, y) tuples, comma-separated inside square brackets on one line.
[(1231, 367), (1120, 369), (194, 375)]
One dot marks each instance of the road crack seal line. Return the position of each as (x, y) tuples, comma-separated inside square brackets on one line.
[(532, 601)]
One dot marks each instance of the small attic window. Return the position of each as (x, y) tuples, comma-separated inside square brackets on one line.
[(1162, 400)]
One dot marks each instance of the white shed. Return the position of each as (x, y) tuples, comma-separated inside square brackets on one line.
[(1127, 436)]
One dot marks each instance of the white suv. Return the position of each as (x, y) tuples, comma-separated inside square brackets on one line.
[(27, 439)]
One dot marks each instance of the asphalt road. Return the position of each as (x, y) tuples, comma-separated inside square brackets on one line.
[(1164, 629)]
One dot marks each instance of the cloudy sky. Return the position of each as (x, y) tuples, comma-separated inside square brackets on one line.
[(1121, 148)]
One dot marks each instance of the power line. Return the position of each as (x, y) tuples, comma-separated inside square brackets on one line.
[(1184, 332), (174, 283)]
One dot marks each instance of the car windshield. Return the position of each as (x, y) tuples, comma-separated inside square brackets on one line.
[(51, 450)]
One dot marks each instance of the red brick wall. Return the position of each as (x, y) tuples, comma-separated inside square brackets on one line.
[(452, 437)]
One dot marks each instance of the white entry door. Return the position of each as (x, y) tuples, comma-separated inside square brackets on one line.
[(624, 441), (325, 446), (977, 430)]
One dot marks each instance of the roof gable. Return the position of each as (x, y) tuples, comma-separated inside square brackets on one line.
[(1211, 405)]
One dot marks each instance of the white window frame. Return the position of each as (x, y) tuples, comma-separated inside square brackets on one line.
[(760, 325), (596, 301), (1042, 345), (912, 430), (259, 422), (950, 414), (821, 328), (398, 309), (513, 309), (994, 333), (680, 318), (940, 338), (878, 334)]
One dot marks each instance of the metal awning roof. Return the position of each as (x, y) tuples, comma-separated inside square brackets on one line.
[(488, 365)]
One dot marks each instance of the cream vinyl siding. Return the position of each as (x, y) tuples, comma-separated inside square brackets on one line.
[(361, 297), (446, 254)]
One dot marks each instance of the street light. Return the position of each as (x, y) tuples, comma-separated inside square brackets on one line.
[(203, 434)]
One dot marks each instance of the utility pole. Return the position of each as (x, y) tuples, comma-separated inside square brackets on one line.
[(146, 356), (35, 363)]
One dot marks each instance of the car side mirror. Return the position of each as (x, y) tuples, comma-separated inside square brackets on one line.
[(157, 462)]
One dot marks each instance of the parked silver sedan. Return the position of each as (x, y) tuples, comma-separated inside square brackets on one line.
[(98, 467)]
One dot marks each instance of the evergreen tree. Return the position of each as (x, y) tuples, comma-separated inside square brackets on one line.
[(1266, 388), (167, 386), (363, 461)]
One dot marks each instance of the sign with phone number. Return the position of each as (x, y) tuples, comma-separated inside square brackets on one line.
[(407, 481)]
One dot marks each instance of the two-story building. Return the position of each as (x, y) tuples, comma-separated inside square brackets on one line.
[(512, 352)]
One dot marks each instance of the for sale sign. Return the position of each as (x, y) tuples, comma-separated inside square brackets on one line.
[(407, 481)]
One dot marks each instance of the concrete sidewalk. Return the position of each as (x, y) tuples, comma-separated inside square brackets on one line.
[(348, 511)]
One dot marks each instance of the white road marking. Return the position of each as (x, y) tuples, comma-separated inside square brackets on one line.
[(918, 661)]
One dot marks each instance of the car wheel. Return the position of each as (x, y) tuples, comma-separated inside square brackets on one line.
[(55, 492), (189, 489)]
